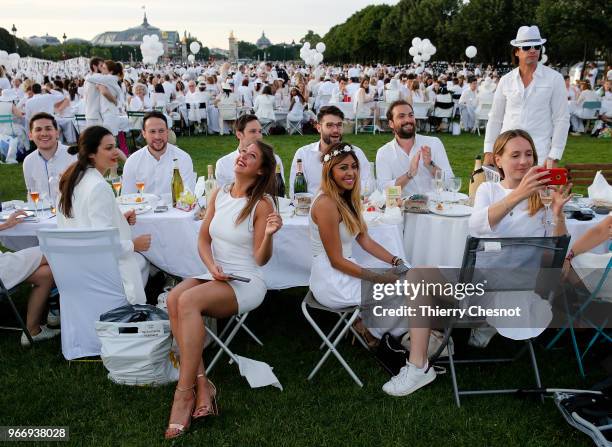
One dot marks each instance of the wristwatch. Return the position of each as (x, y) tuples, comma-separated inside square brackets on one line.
[(409, 175)]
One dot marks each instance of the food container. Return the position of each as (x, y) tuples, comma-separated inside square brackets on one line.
[(302, 203)]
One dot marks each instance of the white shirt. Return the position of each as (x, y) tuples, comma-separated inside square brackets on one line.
[(541, 110), (92, 101), (224, 168), (312, 166), (43, 175), (468, 98), (42, 102), (517, 223), (393, 162), (264, 107), (157, 175)]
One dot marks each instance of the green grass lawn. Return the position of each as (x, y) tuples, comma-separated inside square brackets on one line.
[(38, 387)]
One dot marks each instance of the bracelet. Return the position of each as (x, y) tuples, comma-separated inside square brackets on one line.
[(396, 261), (570, 255)]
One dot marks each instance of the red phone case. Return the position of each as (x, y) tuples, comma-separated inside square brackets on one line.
[(558, 176)]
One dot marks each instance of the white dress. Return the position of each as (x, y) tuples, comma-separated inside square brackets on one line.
[(17, 267), (232, 247)]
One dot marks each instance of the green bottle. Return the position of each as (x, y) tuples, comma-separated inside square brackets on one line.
[(299, 184), (177, 183)]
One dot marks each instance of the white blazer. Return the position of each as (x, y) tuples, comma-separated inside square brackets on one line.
[(94, 205)]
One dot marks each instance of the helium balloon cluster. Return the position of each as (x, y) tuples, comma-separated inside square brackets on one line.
[(312, 56), (10, 61), (471, 51), (421, 50), (194, 47), (151, 49)]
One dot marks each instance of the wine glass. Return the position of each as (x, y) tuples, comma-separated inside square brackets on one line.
[(439, 183), (140, 185), (546, 196), (53, 193), (35, 195), (116, 183), (454, 185)]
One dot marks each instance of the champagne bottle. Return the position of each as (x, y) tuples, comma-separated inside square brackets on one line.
[(280, 184), (177, 183), (299, 184), (210, 184), (477, 177)]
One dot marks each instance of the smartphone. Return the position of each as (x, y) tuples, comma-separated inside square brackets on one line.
[(238, 278), (400, 269), (558, 176)]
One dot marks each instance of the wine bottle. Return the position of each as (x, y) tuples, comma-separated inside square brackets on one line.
[(210, 184), (280, 184), (177, 183), (299, 184)]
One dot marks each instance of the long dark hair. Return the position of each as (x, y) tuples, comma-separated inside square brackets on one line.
[(88, 144), (265, 183)]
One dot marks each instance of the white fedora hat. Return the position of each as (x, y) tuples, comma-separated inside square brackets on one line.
[(527, 35)]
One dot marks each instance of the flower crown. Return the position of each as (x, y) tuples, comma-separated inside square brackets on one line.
[(337, 152)]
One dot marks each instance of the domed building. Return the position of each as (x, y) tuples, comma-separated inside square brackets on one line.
[(133, 37), (263, 42)]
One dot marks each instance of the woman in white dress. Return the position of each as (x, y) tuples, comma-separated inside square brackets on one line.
[(87, 201), (512, 208), (264, 105), (28, 265), (336, 279), (296, 107), (235, 238)]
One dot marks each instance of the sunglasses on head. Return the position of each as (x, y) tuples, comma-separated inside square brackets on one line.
[(535, 47)]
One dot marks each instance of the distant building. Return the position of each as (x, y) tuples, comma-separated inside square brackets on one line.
[(171, 40), (263, 42), (233, 47), (219, 52), (39, 41)]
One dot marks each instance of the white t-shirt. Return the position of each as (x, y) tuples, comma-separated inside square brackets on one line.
[(157, 175)]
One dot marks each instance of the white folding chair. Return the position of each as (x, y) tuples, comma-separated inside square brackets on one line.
[(322, 100), (294, 126), (347, 110), (227, 113), (347, 316), (381, 113), (85, 266), (234, 324), (266, 125), (364, 113), (421, 112), (482, 114)]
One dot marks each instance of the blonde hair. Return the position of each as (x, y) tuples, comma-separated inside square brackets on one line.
[(534, 202), (347, 202)]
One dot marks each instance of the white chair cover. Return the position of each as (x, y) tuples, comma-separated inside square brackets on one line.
[(85, 265)]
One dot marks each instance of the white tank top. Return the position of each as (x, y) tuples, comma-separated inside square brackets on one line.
[(316, 246)]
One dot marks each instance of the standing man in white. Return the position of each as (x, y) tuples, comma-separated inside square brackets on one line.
[(154, 163), (330, 120), (532, 97), (93, 114), (409, 160)]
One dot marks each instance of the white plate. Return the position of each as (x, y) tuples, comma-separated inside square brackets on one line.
[(30, 206), (140, 209), (5, 216), (130, 199), (451, 210), (447, 196)]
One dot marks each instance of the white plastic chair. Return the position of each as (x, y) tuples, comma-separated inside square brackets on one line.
[(347, 110), (227, 112), (482, 114), (85, 265), (364, 113), (347, 317), (421, 111)]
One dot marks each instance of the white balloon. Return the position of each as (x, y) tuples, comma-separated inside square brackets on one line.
[(433, 50), (191, 58), (3, 53), (321, 47), (425, 57), (417, 59), (426, 43), (471, 51), (194, 47), (416, 42), (13, 57), (543, 49), (544, 58), (307, 45), (155, 37), (413, 51), (318, 58)]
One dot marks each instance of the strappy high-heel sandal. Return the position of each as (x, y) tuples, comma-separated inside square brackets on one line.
[(207, 410), (177, 430)]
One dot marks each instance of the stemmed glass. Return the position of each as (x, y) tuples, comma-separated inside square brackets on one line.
[(454, 185), (439, 183), (116, 183), (546, 196), (35, 196), (140, 185)]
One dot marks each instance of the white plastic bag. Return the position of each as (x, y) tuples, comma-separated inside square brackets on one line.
[(138, 353)]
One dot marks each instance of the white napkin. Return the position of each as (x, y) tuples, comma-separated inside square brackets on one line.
[(600, 189), (199, 187), (257, 373), (536, 314), (377, 198), (392, 216)]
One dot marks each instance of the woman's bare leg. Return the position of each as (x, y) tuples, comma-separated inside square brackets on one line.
[(42, 280)]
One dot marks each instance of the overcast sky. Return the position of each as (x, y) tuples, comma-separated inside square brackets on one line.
[(209, 20)]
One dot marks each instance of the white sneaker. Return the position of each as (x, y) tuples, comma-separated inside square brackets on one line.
[(408, 380), (44, 334), (53, 317), (480, 337)]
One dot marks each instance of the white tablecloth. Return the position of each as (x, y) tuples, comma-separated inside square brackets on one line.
[(432, 240), (174, 245)]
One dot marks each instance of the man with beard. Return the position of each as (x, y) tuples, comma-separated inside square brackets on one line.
[(329, 124), (409, 160), (248, 130), (154, 163)]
